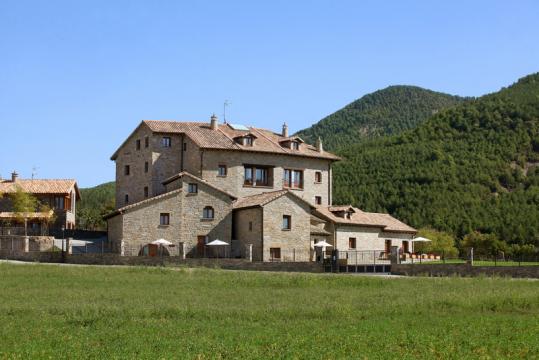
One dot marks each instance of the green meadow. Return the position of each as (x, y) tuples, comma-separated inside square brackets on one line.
[(62, 312)]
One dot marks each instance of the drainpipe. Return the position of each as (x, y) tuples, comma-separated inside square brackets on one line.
[(201, 162)]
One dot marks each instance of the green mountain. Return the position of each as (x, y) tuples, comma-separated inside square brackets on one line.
[(385, 112), (471, 167), (95, 202)]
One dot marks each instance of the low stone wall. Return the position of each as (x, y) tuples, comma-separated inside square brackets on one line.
[(115, 259), (465, 270)]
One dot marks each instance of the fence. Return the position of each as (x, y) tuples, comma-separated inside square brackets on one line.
[(499, 258)]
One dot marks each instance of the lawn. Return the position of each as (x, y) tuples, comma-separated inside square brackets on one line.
[(49, 311)]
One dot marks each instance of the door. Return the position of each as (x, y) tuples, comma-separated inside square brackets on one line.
[(201, 244), (388, 248), (152, 250), (405, 247)]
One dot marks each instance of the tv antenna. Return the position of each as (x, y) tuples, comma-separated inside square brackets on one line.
[(34, 172), (225, 104)]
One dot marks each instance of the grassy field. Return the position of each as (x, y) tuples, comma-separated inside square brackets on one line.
[(49, 311)]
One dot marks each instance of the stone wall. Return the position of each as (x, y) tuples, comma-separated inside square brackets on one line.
[(465, 270), (140, 224), (235, 160), (246, 235), (115, 259), (294, 243), (367, 238), (193, 225), (10, 244), (162, 162)]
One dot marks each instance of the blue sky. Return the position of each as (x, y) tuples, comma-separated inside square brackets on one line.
[(76, 77)]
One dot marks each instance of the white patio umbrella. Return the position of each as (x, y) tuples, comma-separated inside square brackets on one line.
[(161, 242), (218, 242), (418, 239), (322, 243)]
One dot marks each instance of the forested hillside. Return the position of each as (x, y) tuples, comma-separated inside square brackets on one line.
[(385, 112), (95, 202), (470, 167)]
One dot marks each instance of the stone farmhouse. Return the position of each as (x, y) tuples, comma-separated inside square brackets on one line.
[(60, 196), (267, 194)]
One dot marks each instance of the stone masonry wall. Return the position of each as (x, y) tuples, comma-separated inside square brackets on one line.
[(367, 238), (141, 225), (220, 227), (242, 218), (298, 238), (235, 160)]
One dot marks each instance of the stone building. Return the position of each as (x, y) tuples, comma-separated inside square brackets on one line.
[(250, 187), (59, 195)]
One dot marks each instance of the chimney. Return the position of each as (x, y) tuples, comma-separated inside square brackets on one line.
[(319, 146), (213, 122), (14, 176), (285, 130)]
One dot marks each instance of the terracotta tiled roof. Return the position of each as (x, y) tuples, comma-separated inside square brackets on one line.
[(142, 202), (40, 186), (223, 138), (263, 199), (185, 173), (318, 231), (385, 221)]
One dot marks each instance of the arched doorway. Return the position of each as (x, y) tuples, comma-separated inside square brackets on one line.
[(153, 250)]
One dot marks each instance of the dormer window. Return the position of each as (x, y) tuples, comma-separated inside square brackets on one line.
[(294, 145), (245, 139)]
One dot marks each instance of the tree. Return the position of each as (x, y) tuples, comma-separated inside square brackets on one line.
[(23, 204), (441, 243), (484, 244)]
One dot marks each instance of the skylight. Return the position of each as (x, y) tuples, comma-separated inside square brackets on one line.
[(239, 127)]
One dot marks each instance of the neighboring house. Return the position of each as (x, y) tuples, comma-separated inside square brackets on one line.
[(60, 196), (193, 182)]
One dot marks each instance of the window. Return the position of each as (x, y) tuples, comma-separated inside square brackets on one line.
[(250, 226), (318, 177), (145, 191), (222, 170), (146, 141), (138, 144), (275, 253), (166, 142), (318, 200), (126, 199), (351, 243), (293, 178), (146, 167), (207, 213), (287, 222), (294, 145), (127, 170), (184, 146), (59, 202), (164, 219), (192, 188), (248, 141), (257, 176)]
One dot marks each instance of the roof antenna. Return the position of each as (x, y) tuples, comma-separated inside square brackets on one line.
[(225, 104), (34, 172)]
